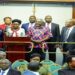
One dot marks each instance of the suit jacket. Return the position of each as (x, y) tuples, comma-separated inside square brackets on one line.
[(66, 72), (62, 33), (71, 38), (56, 33), (3, 26), (25, 26), (13, 72)]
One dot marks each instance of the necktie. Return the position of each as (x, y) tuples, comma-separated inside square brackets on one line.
[(66, 34)]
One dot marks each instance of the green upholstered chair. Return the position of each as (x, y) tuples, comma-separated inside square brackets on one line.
[(20, 65)]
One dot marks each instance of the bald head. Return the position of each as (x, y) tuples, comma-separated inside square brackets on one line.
[(48, 19), (4, 64), (2, 55), (32, 19)]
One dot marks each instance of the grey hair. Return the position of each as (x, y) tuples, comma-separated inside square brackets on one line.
[(6, 61)]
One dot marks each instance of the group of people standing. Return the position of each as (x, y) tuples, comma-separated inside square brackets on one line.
[(41, 33)]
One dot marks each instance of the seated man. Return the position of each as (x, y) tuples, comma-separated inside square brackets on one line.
[(43, 70), (71, 52), (70, 70), (6, 69), (33, 68)]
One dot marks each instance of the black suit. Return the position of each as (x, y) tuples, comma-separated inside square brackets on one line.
[(56, 36), (13, 72), (66, 72), (71, 38)]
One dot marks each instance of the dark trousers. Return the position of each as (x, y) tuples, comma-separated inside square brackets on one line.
[(52, 52), (65, 49)]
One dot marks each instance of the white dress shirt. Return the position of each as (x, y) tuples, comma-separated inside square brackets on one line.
[(70, 29), (31, 25), (36, 73), (5, 72), (67, 33), (48, 25)]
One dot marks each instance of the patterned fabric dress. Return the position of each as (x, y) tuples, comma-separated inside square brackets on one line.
[(39, 34)]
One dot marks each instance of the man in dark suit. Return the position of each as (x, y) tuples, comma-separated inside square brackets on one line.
[(68, 35), (70, 70), (31, 23), (5, 66), (54, 29)]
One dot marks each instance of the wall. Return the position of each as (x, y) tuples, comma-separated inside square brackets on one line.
[(59, 12)]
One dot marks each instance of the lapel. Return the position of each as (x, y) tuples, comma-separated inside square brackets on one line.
[(71, 32), (52, 28), (27, 25), (10, 72), (64, 30)]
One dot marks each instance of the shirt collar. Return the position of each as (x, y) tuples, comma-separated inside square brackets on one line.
[(48, 24), (5, 70)]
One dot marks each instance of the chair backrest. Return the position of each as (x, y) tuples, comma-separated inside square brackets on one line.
[(20, 65)]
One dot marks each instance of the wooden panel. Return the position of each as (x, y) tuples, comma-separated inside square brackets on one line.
[(39, 0), (73, 11)]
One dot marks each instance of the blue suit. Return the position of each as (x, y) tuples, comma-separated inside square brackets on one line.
[(1, 35), (25, 26), (70, 38), (27, 72)]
